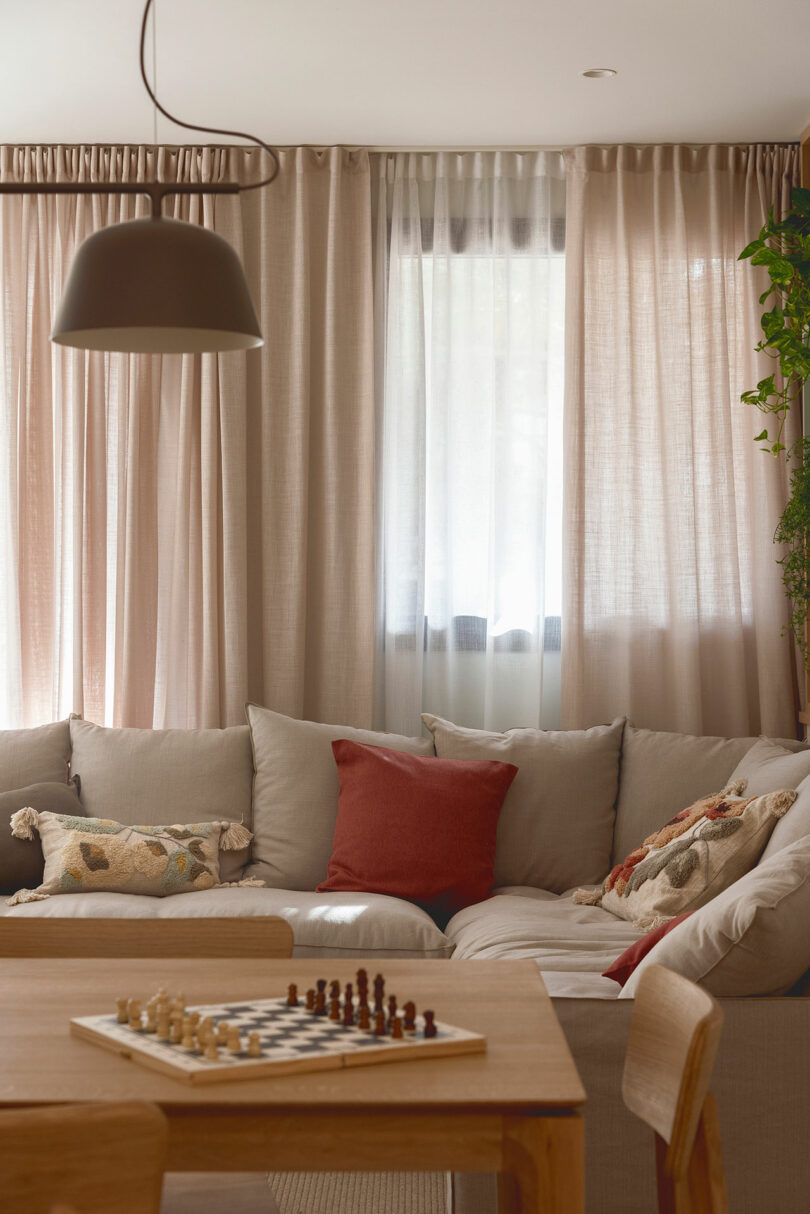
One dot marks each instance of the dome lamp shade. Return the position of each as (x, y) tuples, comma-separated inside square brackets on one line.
[(156, 286)]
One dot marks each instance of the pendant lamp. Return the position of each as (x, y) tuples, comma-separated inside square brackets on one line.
[(156, 286)]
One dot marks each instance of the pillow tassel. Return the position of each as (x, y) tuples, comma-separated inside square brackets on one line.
[(245, 883), (588, 897), (23, 823), (736, 789), (780, 802), (25, 895), (234, 836)]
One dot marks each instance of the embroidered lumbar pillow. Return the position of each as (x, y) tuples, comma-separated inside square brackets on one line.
[(696, 855), (91, 855)]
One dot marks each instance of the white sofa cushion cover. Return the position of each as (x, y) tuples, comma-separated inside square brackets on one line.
[(752, 939), (295, 793), (152, 776), (556, 824), (324, 925)]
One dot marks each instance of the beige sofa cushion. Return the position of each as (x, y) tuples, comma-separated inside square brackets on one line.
[(295, 793), (770, 765), (520, 923), (34, 756), (794, 826), (752, 939), (324, 925), (152, 776), (661, 772), (556, 825)]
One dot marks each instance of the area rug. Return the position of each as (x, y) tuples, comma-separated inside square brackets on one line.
[(360, 1193)]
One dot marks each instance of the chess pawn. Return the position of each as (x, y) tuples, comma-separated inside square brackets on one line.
[(223, 1029), (164, 1028), (334, 1009), (123, 1014), (409, 1010), (136, 1022), (320, 1004), (348, 1015), (151, 1018), (194, 1017), (175, 1032), (292, 995), (188, 1043), (430, 1027), (205, 1026), (396, 1029), (334, 990), (254, 1045), (311, 1000), (211, 1051), (234, 1042), (379, 1023)]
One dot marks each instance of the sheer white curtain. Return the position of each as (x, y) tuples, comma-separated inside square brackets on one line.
[(469, 285), (674, 609)]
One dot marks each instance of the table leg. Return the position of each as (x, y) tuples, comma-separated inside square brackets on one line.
[(543, 1166)]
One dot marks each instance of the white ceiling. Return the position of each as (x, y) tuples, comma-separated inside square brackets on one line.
[(410, 72)]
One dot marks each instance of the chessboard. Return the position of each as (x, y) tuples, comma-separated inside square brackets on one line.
[(259, 1038)]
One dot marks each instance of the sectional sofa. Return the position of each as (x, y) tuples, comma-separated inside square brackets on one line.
[(581, 800)]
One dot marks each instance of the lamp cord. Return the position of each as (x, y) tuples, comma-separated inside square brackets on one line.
[(209, 130)]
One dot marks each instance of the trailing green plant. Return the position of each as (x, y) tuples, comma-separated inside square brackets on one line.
[(783, 249)]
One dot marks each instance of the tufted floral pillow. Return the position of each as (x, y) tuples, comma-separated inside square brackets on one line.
[(88, 855), (693, 857)]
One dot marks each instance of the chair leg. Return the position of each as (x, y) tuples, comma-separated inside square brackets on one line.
[(707, 1182)]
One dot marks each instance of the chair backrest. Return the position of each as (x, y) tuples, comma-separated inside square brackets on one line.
[(251, 936), (89, 1158), (673, 1041)]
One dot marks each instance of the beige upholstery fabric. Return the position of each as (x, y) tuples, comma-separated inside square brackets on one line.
[(795, 825), (34, 756), (153, 776), (556, 825), (679, 870), (324, 925), (553, 930), (752, 939), (769, 765), (221, 505), (663, 772), (673, 604), (295, 794)]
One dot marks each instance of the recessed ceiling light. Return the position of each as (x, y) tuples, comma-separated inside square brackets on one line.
[(598, 73)]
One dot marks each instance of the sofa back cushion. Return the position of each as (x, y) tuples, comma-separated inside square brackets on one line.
[(152, 776), (556, 825), (662, 772), (295, 793), (21, 860), (34, 756)]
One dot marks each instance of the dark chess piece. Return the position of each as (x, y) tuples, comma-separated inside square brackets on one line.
[(347, 994), (364, 1017), (348, 1014), (334, 1009), (396, 1029), (379, 993), (379, 1024), (392, 1006), (292, 995), (430, 1027), (311, 1000), (334, 990), (410, 1017)]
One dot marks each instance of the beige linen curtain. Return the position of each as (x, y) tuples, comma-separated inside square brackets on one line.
[(182, 533), (673, 604)]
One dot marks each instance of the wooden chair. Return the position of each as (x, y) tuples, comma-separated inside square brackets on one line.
[(252, 936), (90, 1159), (674, 1036)]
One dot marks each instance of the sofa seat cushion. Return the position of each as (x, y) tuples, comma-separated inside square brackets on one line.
[(324, 925), (549, 928)]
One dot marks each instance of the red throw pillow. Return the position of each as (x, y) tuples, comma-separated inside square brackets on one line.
[(623, 966), (415, 827)]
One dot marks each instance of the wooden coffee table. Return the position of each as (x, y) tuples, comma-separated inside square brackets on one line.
[(512, 1110)]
